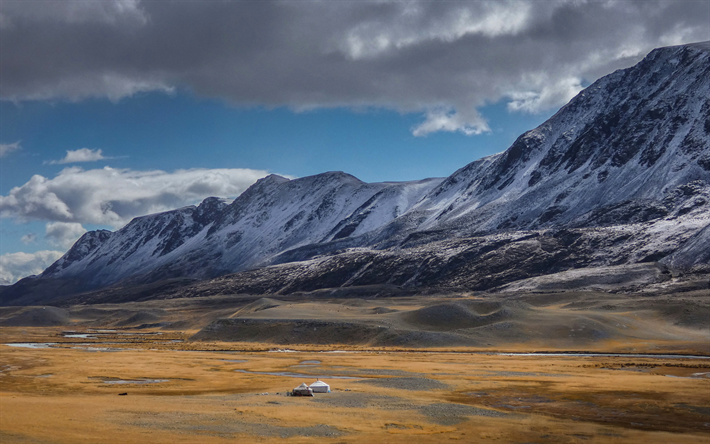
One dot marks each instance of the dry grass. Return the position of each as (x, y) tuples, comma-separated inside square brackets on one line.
[(63, 395)]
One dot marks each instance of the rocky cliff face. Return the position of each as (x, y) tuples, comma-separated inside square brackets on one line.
[(623, 170)]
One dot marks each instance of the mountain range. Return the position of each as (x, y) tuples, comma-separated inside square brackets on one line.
[(618, 176)]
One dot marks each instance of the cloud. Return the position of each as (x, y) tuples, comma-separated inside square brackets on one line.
[(80, 155), (416, 23), (451, 121), (111, 12), (544, 95), (15, 266), (28, 238), (63, 234), (7, 148), (113, 197), (440, 59)]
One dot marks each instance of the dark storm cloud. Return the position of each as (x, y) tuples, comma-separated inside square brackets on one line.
[(444, 59)]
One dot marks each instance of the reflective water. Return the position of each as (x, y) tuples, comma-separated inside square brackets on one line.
[(522, 354), (31, 344), (135, 381), (300, 375), (562, 354), (600, 355)]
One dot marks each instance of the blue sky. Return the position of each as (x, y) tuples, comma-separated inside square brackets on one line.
[(168, 132), (174, 131), (118, 108)]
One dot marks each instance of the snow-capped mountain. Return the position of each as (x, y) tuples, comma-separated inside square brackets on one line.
[(631, 148), (614, 154), (628, 157), (274, 215)]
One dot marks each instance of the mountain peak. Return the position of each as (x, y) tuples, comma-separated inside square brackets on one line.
[(704, 46), (273, 178), (331, 176), (631, 149)]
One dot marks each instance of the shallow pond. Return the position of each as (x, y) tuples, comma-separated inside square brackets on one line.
[(135, 381), (31, 344), (300, 375)]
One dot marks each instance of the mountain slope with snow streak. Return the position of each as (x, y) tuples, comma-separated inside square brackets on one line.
[(633, 136), (214, 238), (619, 175)]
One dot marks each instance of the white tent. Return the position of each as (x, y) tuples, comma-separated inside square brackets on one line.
[(320, 387), (303, 390)]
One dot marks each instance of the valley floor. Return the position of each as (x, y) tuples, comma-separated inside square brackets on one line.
[(403, 368), (173, 391)]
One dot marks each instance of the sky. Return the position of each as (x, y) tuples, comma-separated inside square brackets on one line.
[(114, 109)]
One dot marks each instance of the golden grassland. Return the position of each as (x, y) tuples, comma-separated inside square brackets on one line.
[(218, 392)]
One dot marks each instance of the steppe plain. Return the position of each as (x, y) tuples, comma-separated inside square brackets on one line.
[(402, 368)]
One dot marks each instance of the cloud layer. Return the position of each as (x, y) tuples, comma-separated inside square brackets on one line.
[(113, 197), (443, 59), (80, 155), (14, 266)]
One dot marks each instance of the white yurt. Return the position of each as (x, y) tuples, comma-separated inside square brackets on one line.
[(320, 387), (302, 390)]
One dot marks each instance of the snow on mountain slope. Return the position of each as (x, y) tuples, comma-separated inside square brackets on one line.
[(634, 135), (273, 215), (694, 252), (629, 155), (146, 242), (386, 205)]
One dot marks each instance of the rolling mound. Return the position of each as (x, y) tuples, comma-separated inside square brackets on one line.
[(258, 305), (455, 316), (288, 331), (143, 317), (38, 317), (573, 320), (321, 332), (685, 313), (484, 307)]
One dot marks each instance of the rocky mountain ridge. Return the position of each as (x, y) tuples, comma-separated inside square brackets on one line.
[(620, 175), (273, 215)]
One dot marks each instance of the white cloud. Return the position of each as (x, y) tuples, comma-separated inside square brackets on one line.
[(80, 155), (15, 266), (113, 197), (545, 95), (7, 148), (63, 234), (442, 119), (28, 238), (89, 85), (417, 24)]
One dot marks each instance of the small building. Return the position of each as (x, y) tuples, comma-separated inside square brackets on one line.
[(320, 387), (302, 390)]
